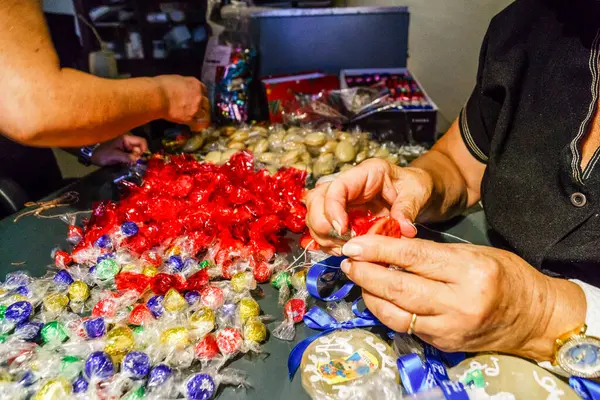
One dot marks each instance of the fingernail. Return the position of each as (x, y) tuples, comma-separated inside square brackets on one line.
[(352, 250), (337, 227), (414, 227), (345, 265)]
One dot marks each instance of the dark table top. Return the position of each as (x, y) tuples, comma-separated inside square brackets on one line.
[(30, 240)]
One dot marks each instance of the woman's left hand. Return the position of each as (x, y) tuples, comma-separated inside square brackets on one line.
[(125, 149), (466, 297)]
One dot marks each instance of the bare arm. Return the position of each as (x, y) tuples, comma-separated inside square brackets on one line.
[(44, 105), (455, 177)]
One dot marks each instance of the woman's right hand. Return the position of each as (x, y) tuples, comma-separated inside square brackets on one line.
[(378, 185)]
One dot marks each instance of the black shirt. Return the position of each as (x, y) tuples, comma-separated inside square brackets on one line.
[(536, 92)]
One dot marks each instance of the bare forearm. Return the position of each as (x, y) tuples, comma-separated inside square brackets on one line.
[(76, 109), (454, 177)]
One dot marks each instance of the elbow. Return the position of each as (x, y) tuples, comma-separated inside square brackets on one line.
[(25, 128)]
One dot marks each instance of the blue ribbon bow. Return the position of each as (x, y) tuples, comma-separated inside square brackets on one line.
[(316, 318), (418, 376), (327, 271), (586, 389)]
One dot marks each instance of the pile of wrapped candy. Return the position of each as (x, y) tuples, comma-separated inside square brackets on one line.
[(139, 308), (318, 151)]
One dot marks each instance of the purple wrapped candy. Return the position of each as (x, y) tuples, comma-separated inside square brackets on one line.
[(129, 229), (155, 305), (175, 264), (200, 387), (22, 290), (103, 242), (63, 278), (28, 331), (27, 379), (159, 375), (192, 297), (105, 256), (18, 312), (99, 365), (80, 385), (94, 328), (136, 364)]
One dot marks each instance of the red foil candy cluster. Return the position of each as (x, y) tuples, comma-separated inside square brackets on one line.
[(232, 211)]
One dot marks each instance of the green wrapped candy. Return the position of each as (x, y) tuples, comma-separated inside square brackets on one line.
[(71, 366), (54, 332), (280, 279), (107, 269)]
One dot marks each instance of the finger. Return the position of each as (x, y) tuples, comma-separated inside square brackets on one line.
[(203, 89), (388, 313), (422, 257), (355, 186), (319, 226), (408, 291), (327, 179), (121, 157), (405, 210), (135, 143)]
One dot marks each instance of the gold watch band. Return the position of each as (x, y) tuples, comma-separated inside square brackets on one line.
[(565, 337)]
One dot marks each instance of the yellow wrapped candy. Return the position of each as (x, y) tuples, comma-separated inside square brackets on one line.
[(248, 308), (298, 279), (177, 337), (150, 270), (130, 268), (119, 342), (203, 319), (5, 376), (255, 330), (13, 299), (55, 302), (243, 281), (79, 291), (174, 301), (173, 251), (54, 389)]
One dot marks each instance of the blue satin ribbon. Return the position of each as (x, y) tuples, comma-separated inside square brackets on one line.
[(327, 271), (586, 389), (316, 318), (418, 376)]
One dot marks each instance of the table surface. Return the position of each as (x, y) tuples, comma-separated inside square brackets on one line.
[(30, 241)]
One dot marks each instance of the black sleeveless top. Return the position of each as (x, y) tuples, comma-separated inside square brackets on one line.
[(537, 88)]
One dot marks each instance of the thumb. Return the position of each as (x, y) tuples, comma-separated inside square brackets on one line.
[(405, 210)]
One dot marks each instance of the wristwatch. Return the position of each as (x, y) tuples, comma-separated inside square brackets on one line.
[(578, 354), (86, 153)]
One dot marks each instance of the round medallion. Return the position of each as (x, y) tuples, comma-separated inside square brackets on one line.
[(580, 356), (334, 363)]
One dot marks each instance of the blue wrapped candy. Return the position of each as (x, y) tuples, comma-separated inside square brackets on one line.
[(200, 387), (136, 364), (191, 297), (63, 278), (155, 305), (105, 256), (94, 328), (129, 229), (22, 290), (18, 312), (175, 264), (159, 375), (80, 385), (28, 331), (99, 365), (103, 242), (15, 279)]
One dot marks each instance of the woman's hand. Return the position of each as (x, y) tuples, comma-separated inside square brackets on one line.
[(125, 149), (466, 297), (378, 185)]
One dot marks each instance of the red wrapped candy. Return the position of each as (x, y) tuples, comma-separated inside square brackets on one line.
[(198, 280), (140, 314), (229, 341), (212, 297), (62, 259), (161, 283), (74, 235), (207, 348), (132, 281), (295, 309), (106, 307)]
